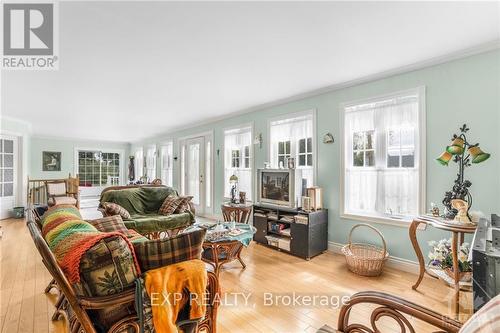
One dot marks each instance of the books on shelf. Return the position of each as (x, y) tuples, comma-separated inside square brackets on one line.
[(301, 219), (272, 216), (287, 218)]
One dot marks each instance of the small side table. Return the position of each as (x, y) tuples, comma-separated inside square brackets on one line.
[(236, 212), (457, 238), (227, 249)]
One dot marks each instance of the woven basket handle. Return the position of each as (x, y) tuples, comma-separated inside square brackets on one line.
[(371, 227)]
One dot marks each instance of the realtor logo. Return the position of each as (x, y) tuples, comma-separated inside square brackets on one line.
[(29, 37)]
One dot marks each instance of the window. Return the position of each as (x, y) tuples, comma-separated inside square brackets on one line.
[(235, 158), (97, 168), (305, 152), (139, 164), (363, 152), (283, 153), (246, 157), (294, 137), (381, 157), (167, 159), (151, 163), (238, 159)]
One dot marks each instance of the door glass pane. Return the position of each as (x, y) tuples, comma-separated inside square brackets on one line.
[(193, 187), (8, 175), (8, 146), (8, 189)]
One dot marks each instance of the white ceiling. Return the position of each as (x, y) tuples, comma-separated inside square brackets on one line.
[(131, 70)]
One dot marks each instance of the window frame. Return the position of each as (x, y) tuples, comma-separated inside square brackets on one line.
[(121, 164), (311, 112), (242, 157), (421, 204)]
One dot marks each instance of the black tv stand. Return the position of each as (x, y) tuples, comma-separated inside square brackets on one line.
[(294, 231)]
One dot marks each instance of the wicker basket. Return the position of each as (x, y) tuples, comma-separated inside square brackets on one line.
[(365, 259)]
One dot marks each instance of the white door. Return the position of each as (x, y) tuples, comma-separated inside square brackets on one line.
[(194, 172), (8, 174)]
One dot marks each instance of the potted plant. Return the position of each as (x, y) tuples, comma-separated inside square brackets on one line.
[(441, 257)]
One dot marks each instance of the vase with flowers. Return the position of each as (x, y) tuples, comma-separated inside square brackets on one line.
[(441, 257)]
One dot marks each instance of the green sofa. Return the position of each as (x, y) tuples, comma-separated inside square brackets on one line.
[(143, 202)]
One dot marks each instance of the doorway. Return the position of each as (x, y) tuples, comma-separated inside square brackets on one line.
[(196, 168), (8, 174)]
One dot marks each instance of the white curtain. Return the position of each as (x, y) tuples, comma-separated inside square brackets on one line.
[(139, 164), (380, 189), (292, 129), (238, 139), (151, 163)]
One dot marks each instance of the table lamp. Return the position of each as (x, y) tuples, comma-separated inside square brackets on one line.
[(463, 153)]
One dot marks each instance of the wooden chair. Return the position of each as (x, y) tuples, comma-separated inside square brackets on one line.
[(156, 181), (237, 213), (391, 307), (75, 308), (63, 191)]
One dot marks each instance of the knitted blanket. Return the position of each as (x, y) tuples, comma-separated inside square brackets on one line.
[(69, 237)]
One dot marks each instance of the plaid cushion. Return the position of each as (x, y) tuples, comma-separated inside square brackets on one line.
[(183, 205), (111, 208), (162, 252), (169, 205), (110, 224)]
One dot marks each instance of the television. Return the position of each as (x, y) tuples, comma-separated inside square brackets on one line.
[(280, 187)]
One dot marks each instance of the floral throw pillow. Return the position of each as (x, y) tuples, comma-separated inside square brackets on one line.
[(183, 205), (111, 208)]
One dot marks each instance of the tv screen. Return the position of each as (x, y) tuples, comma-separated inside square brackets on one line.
[(275, 186)]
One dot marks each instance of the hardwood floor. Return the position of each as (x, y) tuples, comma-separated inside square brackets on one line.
[(25, 308)]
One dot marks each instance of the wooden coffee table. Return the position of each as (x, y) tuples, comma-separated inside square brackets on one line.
[(220, 252)]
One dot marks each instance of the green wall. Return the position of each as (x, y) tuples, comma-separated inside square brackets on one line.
[(67, 149), (461, 91)]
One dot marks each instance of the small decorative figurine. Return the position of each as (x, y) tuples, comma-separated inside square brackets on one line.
[(434, 209), (462, 207), (233, 180), (291, 163)]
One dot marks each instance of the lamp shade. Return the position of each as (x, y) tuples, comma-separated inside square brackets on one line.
[(456, 147), (478, 155), (233, 179), (444, 158)]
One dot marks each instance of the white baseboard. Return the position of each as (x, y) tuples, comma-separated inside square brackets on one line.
[(393, 262)]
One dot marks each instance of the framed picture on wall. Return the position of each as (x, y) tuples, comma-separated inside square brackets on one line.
[(51, 161)]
